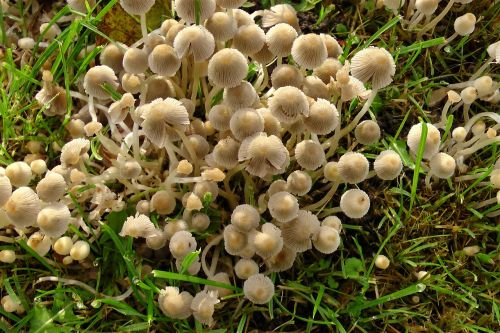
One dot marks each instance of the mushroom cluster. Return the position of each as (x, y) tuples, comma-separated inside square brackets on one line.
[(225, 126)]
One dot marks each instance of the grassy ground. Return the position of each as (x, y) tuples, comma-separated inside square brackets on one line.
[(418, 229)]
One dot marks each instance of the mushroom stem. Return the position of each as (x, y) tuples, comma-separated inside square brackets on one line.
[(476, 147), (216, 240), (444, 115), (323, 201), (473, 120), (482, 68), (215, 260), (330, 211), (448, 40), (144, 27), (190, 150), (410, 9), (208, 99), (435, 21), (92, 113), (466, 111), (417, 17), (196, 82), (184, 75), (486, 202)]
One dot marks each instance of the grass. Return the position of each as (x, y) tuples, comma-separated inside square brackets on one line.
[(416, 228)]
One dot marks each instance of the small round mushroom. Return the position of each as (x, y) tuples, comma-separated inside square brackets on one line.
[(225, 153), (331, 172), (200, 222), (53, 220), (432, 140), (442, 165), (73, 151), (367, 132), (63, 245), (80, 250), (283, 206), (282, 261), (309, 51), (186, 10), (39, 167), (241, 96), (249, 39), (245, 217), (286, 75), (227, 68), (355, 203), (112, 56), (163, 60), (299, 183), (382, 261), (52, 187), (203, 306), (267, 242), (163, 202), (259, 289), (222, 26), (328, 69), (287, 103), (95, 78), (373, 64), (234, 240), (246, 122), (245, 268), (5, 190), (327, 240), (9, 256), (138, 226), (309, 154), (23, 207), (332, 222), (220, 116), (19, 174), (297, 233), (353, 167), (388, 165), (280, 39), (195, 40), (175, 304), (181, 244)]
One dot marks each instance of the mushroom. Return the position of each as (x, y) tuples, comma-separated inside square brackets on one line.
[(23, 207), (309, 51), (309, 154), (186, 10), (203, 306), (80, 250), (282, 13), (175, 304), (353, 167), (53, 220), (287, 103), (222, 26), (388, 165), (137, 226), (19, 174), (299, 183), (327, 240), (63, 245), (249, 39), (355, 203), (432, 140), (367, 132), (267, 242), (279, 40), (286, 75), (245, 217), (258, 289), (138, 7), (298, 233), (245, 268), (382, 261), (181, 244), (283, 206), (5, 190)]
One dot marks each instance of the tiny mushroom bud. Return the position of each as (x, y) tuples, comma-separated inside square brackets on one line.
[(388, 165), (220, 116), (422, 275), (174, 226), (163, 202), (282, 261), (184, 167), (442, 165), (259, 289), (39, 167), (19, 174), (355, 203), (459, 134), (135, 61), (163, 60), (8, 304), (353, 167), (471, 250), (63, 245), (241, 96), (245, 268), (112, 56), (193, 202), (80, 250)]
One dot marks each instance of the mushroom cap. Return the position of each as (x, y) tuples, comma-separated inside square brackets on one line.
[(137, 7), (174, 226), (388, 165), (373, 64), (72, 151), (327, 240), (267, 242), (332, 222), (355, 203), (494, 51), (96, 77), (442, 165), (283, 13), (39, 243), (367, 132), (5, 190), (241, 96), (200, 221), (287, 103), (203, 306), (225, 153), (299, 182), (132, 83), (112, 56), (235, 240), (333, 47), (315, 88), (331, 172), (196, 40), (382, 261), (163, 60), (222, 26), (249, 39), (174, 304), (354, 88), (138, 226), (282, 261), (227, 68), (245, 123), (245, 217), (280, 39), (186, 9), (309, 154), (428, 7), (286, 75), (309, 51), (79, 5), (264, 56), (163, 202), (159, 113), (63, 245), (220, 116), (394, 4), (266, 155), (204, 187), (52, 187), (272, 125), (244, 268), (53, 220), (353, 167), (459, 134), (328, 69), (276, 186), (464, 25), (23, 207), (181, 244), (484, 86), (221, 277), (323, 117), (283, 206), (432, 141), (19, 173), (259, 289), (230, 4), (242, 17), (297, 233), (153, 40)]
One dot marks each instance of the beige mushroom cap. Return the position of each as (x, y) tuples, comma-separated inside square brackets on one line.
[(432, 141), (227, 68), (245, 217), (282, 261), (353, 167), (388, 165), (464, 25), (175, 304), (222, 27), (286, 75), (299, 182), (246, 122), (374, 64), (367, 132), (203, 306), (442, 165), (355, 203), (298, 233), (186, 9), (195, 40), (309, 51), (280, 39), (267, 242), (249, 39), (53, 220), (283, 206), (19, 174), (259, 289), (323, 117), (5, 190), (287, 103), (96, 77), (244, 268), (327, 240), (137, 7), (23, 207), (163, 60)]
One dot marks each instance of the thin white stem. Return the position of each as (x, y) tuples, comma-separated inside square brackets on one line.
[(144, 27), (216, 240), (435, 21)]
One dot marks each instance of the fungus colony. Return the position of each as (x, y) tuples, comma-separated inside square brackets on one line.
[(192, 132)]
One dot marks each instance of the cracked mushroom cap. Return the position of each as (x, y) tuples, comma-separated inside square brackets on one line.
[(287, 103), (195, 40), (298, 233), (388, 165), (309, 154), (186, 9), (353, 167), (374, 65), (279, 39), (249, 39), (355, 203), (266, 155), (137, 226), (258, 289), (227, 68), (96, 77), (309, 51), (137, 7)]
